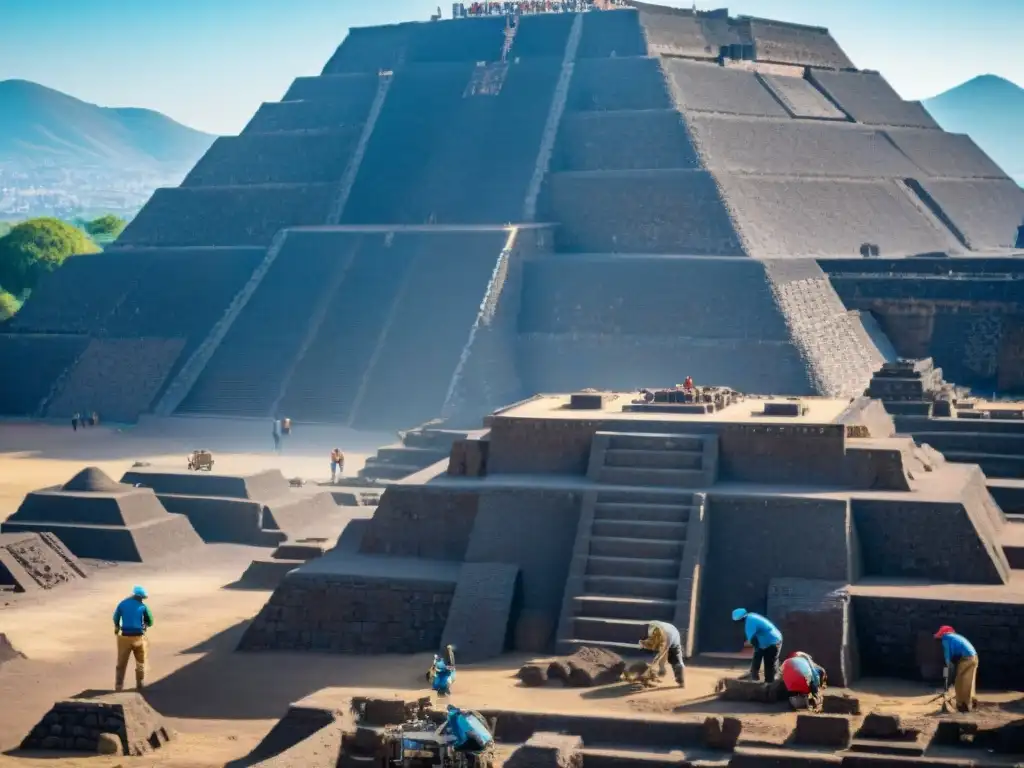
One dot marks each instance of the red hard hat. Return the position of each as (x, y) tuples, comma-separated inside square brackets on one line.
[(944, 630)]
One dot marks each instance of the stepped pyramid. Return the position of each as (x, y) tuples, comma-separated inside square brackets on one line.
[(441, 223)]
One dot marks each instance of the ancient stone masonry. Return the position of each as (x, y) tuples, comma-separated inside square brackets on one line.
[(34, 561), (113, 723), (642, 132)]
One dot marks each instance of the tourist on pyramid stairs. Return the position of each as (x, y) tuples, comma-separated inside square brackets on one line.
[(132, 618), (803, 680), (337, 464), (74, 422), (276, 433), (961, 666), (664, 640), (766, 640)]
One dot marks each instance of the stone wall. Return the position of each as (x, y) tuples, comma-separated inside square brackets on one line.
[(571, 361), (701, 87), (800, 98), (987, 212), (117, 378), (668, 211), (750, 542), (357, 89), (351, 614), (798, 148), (869, 99), (34, 561), (949, 155), (278, 158), (371, 49), (483, 611), (619, 84), (543, 34), (279, 116), (594, 141), (534, 530), (960, 546), (227, 215), (796, 44), (39, 361), (888, 631), (417, 521), (784, 218), (616, 34)]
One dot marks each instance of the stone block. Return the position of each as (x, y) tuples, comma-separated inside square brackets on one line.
[(722, 732), (840, 704), (823, 731), (548, 750), (533, 675), (885, 727)]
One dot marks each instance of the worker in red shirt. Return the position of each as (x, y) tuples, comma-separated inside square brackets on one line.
[(803, 679)]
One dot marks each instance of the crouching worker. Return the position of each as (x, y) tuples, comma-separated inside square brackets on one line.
[(664, 640), (766, 640), (132, 618), (803, 680), (961, 666), (441, 674), (468, 731)]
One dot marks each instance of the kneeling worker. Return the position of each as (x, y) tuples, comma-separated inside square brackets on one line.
[(132, 618), (468, 730), (803, 680), (766, 640), (961, 666), (664, 640)]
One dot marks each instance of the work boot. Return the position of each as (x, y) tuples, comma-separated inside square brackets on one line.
[(140, 681), (118, 680), (680, 678)]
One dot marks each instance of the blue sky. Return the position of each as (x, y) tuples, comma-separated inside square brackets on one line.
[(209, 63)]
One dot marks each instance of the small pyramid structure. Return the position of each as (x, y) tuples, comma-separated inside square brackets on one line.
[(98, 518), (94, 480)]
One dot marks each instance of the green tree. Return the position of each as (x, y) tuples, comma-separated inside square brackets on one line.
[(5, 227), (106, 227), (9, 304), (35, 247)]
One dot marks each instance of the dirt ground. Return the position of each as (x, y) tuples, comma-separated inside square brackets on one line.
[(222, 703)]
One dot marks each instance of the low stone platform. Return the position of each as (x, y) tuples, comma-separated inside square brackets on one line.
[(267, 573), (36, 561), (257, 509), (100, 519), (108, 723)]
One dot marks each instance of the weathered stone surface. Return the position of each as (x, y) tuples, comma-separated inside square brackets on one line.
[(548, 750), (840, 704), (822, 731), (111, 723), (533, 675)]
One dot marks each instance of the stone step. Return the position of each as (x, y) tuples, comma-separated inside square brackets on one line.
[(648, 496), (643, 568), (388, 471), (673, 478), (675, 459), (639, 441), (992, 464), (631, 586), (618, 607), (640, 529), (666, 513), (608, 546), (400, 454), (615, 630), (594, 757)]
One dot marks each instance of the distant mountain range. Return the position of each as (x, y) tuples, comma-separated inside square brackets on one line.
[(63, 156), (991, 110), (41, 126)]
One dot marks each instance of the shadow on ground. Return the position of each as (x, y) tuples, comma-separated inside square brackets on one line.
[(224, 684)]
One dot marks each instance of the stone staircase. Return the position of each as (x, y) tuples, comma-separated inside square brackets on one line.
[(636, 558), (640, 459)]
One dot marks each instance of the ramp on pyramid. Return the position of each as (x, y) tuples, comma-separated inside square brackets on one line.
[(693, 168)]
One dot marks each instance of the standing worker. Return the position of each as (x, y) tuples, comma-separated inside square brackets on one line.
[(132, 618), (766, 639), (803, 679), (961, 666), (337, 464), (664, 640)]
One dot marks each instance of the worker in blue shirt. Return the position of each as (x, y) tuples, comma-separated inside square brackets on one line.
[(766, 640), (132, 618), (961, 666)]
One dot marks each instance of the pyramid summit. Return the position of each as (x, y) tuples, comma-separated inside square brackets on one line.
[(460, 213)]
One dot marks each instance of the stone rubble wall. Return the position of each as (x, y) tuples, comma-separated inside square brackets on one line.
[(481, 611), (987, 212), (412, 521), (351, 614), (795, 44), (39, 360), (700, 87)]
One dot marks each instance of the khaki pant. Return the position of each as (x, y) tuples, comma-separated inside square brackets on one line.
[(126, 648), (966, 672)]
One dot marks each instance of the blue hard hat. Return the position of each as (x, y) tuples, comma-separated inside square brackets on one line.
[(138, 591), (739, 613)]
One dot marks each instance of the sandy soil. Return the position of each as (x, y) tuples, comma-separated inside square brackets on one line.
[(222, 703)]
